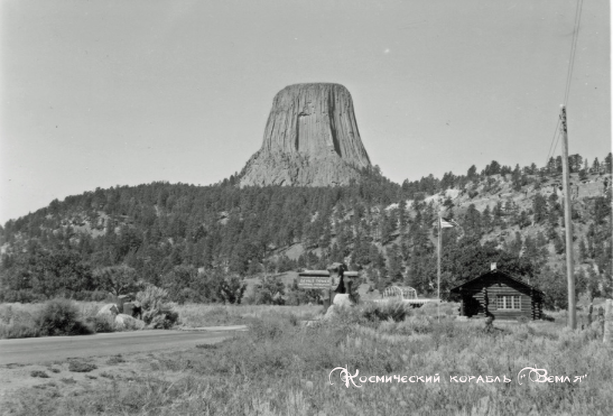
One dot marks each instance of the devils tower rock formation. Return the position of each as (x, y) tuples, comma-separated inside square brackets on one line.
[(311, 139)]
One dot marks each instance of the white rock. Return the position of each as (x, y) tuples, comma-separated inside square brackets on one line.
[(342, 300), (108, 309), (124, 321)]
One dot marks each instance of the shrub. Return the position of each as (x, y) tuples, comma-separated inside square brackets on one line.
[(81, 367), (18, 321), (417, 325), (18, 330), (116, 359), (270, 327), (344, 317), (101, 323), (593, 332), (68, 380), (207, 346), (270, 291), (522, 320), (165, 319), (61, 317), (157, 312), (232, 289), (383, 311), (547, 318)]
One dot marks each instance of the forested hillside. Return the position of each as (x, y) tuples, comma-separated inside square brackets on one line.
[(200, 242)]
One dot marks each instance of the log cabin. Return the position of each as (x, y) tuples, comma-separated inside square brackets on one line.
[(500, 295)]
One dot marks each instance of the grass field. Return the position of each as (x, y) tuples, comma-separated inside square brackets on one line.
[(282, 366)]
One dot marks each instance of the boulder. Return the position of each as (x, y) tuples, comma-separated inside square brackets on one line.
[(123, 321), (341, 301), (108, 309)]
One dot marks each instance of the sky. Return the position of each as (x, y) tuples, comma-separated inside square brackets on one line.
[(113, 92)]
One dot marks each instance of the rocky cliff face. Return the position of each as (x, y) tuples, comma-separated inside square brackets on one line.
[(311, 139)]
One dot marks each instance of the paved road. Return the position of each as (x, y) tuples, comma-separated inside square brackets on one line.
[(34, 350)]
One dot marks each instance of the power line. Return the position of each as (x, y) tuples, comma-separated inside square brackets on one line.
[(571, 65), (554, 143), (573, 49), (555, 146)]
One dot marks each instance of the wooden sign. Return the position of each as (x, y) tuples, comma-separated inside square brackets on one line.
[(314, 282), (319, 279)]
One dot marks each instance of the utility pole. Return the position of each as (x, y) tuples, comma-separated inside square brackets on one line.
[(572, 310), (439, 248)]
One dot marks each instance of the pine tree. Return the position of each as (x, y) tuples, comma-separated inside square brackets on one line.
[(608, 164), (472, 222), (402, 216), (472, 173), (486, 220), (539, 208), (595, 166), (394, 262), (583, 253)]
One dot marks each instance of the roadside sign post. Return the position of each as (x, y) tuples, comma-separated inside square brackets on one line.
[(318, 280), (323, 280)]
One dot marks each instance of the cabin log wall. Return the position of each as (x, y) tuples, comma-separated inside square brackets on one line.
[(487, 290)]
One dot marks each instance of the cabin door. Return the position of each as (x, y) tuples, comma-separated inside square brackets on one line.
[(471, 306)]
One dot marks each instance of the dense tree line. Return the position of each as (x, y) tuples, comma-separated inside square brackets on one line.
[(199, 242)]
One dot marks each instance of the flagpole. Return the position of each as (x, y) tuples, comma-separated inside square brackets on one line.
[(438, 268)]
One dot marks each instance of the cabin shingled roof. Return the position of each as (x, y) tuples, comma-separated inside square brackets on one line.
[(494, 272)]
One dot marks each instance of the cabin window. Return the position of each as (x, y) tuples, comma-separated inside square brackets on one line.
[(508, 302)]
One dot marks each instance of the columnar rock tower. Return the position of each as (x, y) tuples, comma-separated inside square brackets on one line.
[(311, 139)]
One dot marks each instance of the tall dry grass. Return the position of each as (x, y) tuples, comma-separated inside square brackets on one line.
[(202, 315), (281, 367)]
